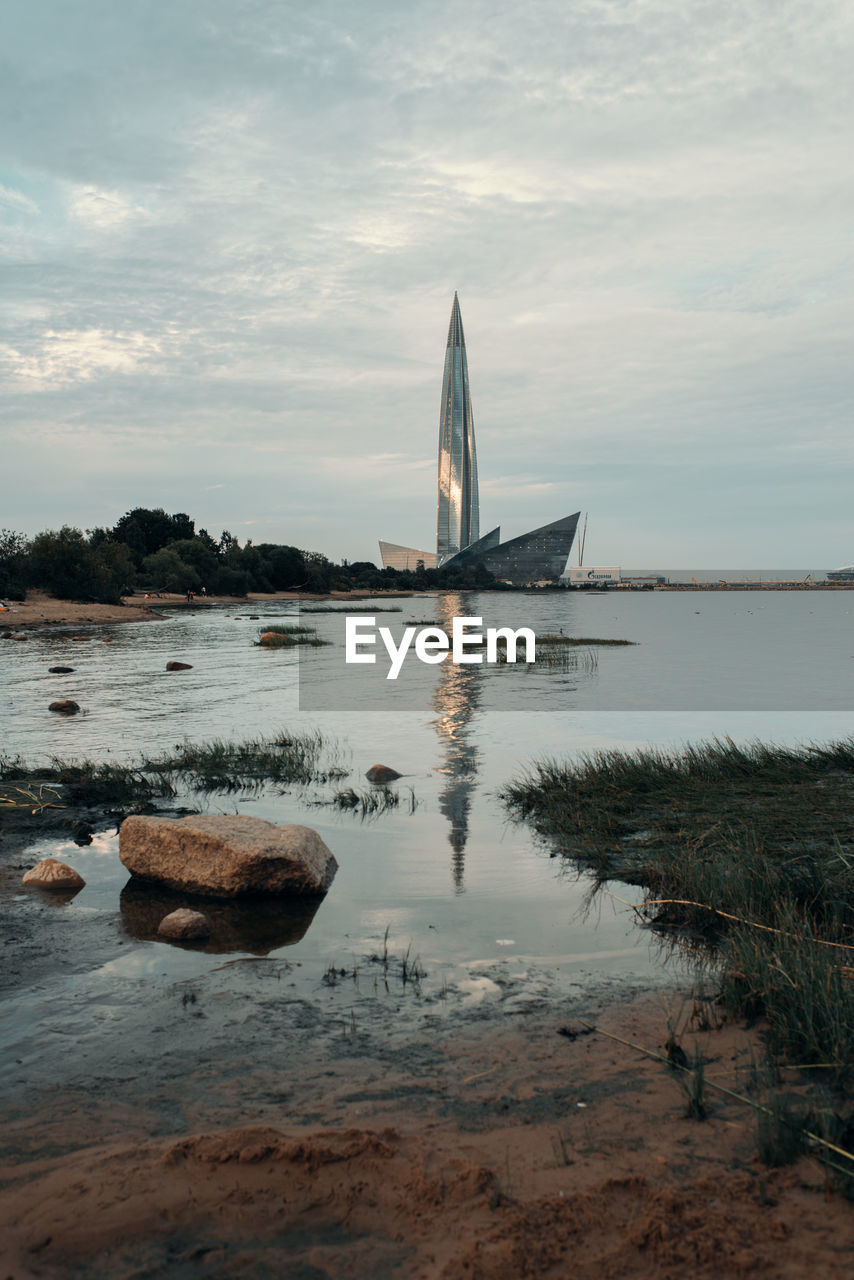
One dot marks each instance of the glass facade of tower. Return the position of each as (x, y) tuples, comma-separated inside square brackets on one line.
[(538, 556), (458, 521)]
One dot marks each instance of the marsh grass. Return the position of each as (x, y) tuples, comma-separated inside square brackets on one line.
[(552, 638), (219, 765), (407, 967), (211, 766), (288, 637), (99, 784), (350, 608), (744, 853), (373, 802), (290, 630), (555, 658)]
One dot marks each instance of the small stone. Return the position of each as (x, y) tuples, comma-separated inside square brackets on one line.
[(179, 666), (185, 924), (60, 671), (382, 773), (50, 873), (65, 707)]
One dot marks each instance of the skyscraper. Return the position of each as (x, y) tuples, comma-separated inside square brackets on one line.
[(458, 520), (538, 556)]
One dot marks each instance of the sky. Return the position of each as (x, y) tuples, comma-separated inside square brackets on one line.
[(231, 232)]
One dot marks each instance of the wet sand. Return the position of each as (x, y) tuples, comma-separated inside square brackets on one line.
[(491, 1144)]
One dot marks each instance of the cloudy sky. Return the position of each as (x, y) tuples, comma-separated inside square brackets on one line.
[(231, 230)]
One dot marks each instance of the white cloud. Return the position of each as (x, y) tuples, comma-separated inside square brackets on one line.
[(105, 210), (16, 200), (245, 236), (77, 355)]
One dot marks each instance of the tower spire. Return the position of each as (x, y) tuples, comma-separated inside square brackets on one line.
[(458, 516)]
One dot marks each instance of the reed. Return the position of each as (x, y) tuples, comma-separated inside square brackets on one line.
[(217, 765), (357, 607), (288, 637), (744, 855)]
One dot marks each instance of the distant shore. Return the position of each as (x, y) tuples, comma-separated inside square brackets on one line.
[(42, 610)]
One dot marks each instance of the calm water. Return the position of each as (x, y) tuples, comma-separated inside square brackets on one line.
[(452, 879)]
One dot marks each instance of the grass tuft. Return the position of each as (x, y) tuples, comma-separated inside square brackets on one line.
[(371, 803), (744, 852), (288, 637), (205, 767)]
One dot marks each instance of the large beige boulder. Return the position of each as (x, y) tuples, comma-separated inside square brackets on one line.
[(226, 856)]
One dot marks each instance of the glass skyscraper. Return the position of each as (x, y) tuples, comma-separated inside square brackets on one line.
[(458, 521), (538, 556)]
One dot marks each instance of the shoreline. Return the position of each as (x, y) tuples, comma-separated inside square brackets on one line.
[(42, 610), (500, 1144)]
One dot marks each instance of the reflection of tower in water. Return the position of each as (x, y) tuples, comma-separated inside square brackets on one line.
[(455, 702)]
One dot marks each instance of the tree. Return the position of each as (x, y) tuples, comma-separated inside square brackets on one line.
[(63, 563), (166, 571), (197, 555), (284, 567), (228, 544), (319, 571), (145, 530), (13, 565), (114, 572)]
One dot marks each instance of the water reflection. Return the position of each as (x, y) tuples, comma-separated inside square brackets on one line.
[(52, 897), (254, 925), (455, 700)]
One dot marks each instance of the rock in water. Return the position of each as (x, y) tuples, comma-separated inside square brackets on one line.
[(65, 707), (50, 873), (226, 856), (185, 925), (276, 640), (382, 773), (179, 666)]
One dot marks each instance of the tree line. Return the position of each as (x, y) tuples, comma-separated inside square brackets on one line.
[(152, 551)]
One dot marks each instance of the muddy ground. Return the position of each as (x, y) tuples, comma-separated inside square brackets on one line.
[(262, 1121)]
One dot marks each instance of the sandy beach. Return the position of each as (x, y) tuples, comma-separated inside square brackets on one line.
[(42, 610), (519, 1146)]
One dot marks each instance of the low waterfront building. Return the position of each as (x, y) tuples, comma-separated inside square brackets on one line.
[(405, 559)]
